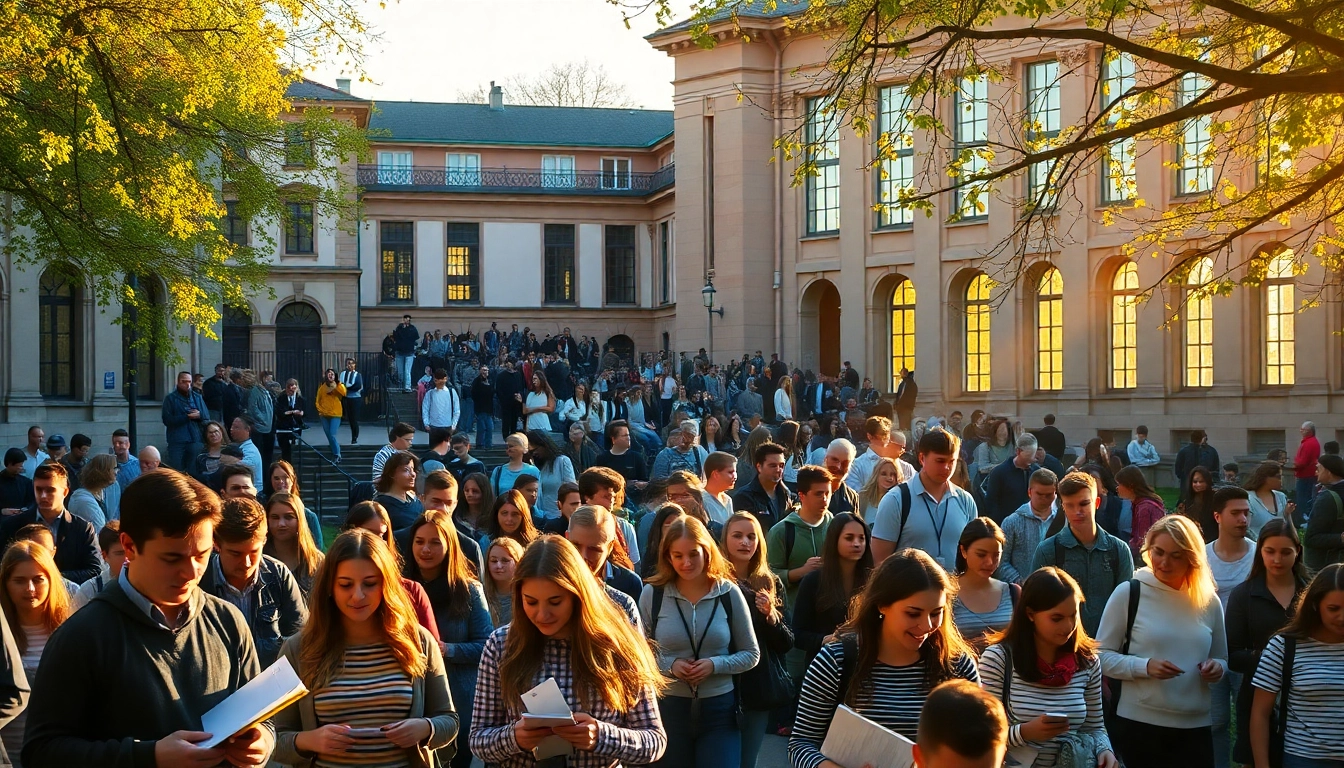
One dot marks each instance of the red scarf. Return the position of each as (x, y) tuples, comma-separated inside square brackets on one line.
[(1060, 673)]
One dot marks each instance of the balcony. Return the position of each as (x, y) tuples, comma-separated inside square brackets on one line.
[(512, 181)]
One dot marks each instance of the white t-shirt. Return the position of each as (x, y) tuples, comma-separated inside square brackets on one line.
[(1229, 575)]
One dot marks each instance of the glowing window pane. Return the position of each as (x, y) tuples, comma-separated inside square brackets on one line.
[(902, 330), (977, 335)]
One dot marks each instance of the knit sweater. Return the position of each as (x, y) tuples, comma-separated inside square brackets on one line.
[(163, 680)]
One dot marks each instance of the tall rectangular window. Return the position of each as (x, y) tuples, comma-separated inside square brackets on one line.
[(462, 169), (559, 263), (235, 226), (823, 149), (557, 171), (896, 148), (1199, 325), (1280, 326), (395, 167), (1194, 168), (978, 349), (620, 264), (397, 246), (971, 107), (298, 146), (902, 330), (1125, 327), (615, 173), (462, 270), (1042, 130), (1118, 179), (299, 228), (665, 262), (1050, 331)]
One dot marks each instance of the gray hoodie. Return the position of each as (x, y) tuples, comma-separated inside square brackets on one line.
[(705, 619)]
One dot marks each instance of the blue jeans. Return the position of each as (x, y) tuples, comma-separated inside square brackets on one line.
[(182, 456), (467, 418), (1293, 761), (712, 742), (330, 426), (1223, 692), (754, 722), (404, 370), (1303, 496), (485, 430)]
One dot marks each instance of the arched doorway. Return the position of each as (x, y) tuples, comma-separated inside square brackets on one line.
[(820, 319), (624, 347), (236, 337), (298, 345)]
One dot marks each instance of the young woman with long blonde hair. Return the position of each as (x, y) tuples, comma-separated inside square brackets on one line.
[(886, 475), (501, 562), (1176, 650), (35, 600), (701, 623), (289, 540), (743, 545), (565, 627), (368, 667)]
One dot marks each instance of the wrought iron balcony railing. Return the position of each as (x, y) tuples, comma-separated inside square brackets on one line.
[(422, 178)]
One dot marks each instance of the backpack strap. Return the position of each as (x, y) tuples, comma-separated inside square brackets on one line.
[(790, 535), (1285, 689), (1134, 591), (655, 607), (1007, 675), (906, 500), (1014, 592), (849, 646), (494, 478)]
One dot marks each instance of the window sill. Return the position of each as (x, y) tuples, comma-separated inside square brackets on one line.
[(894, 228), (1186, 196), (832, 235), (301, 254), (969, 221), (396, 302)]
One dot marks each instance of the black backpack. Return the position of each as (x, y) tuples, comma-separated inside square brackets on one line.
[(1109, 707)]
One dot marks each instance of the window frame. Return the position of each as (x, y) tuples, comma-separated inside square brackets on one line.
[(298, 147), (901, 330), (978, 328), (1280, 313), (1050, 331), (1124, 325), (559, 259), (558, 176), (58, 376), (461, 169), (396, 285), (619, 285), (1118, 75), (615, 178), (895, 173), (978, 139), (1042, 87), (465, 281), (1198, 318), (395, 167), (1188, 88), (822, 136), (665, 261), (234, 226), (295, 237)]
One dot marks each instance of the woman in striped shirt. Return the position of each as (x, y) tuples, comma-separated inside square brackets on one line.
[(1043, 665), (438, 564), (1314, 734), (377, 689), (898, 644), (35, 603), (565, 627)]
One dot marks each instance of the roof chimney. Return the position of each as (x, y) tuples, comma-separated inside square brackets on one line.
[(496, 96), (343, 84)]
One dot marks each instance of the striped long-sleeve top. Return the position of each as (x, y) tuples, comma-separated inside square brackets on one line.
[(1080, 699), (635, 737), (898, 694)]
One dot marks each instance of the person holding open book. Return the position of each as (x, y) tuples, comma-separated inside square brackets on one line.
[(898, 644), (170, 651), (1045, 669), (377, 689), (566, 628)]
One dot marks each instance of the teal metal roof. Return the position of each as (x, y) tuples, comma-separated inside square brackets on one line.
[(414, 121), (311, 91)]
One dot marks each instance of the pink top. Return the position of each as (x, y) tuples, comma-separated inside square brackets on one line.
[(1146, 512)]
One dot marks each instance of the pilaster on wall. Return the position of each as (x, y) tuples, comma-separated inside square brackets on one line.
[(23, 396)]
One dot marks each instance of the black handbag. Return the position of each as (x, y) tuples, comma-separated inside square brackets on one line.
[(768, 686)]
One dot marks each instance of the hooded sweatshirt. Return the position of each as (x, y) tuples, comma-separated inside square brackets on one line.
[(807, 542), (730, 643), (1167, 627)]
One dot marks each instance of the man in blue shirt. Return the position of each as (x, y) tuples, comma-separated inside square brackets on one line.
[(938, 510)]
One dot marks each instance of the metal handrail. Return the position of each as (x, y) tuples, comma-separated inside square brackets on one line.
[(390, 413), (350, 479), (529, 180)]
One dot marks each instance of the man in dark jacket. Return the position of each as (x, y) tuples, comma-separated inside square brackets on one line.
[(404, 338), (906, 393), (76, 541), (258, 585), (212, 391), (1050, 438), (1006, 489), (13, 682), (235, 397), (482, 392), (170, 651), (184, 412), (766, 497), (1196, 453), (16, 491), (510, 389)]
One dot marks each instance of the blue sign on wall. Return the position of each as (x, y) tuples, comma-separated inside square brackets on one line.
[(109, 380)]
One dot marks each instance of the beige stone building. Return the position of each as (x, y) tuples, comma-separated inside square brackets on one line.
[(816, 273)]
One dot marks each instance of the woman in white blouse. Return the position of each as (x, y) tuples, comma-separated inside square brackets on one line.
[(1267, 498), (784, 400)]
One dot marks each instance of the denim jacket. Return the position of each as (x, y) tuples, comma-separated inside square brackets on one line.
[(277, 610)]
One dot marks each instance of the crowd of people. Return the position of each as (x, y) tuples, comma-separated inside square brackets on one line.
[(692, 578)]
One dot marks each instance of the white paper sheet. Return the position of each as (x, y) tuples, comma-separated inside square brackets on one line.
[(264, 695), (546, 701), (854, 741)]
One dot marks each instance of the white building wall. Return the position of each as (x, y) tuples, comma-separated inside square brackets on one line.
[(368, 263), (511, 264), (588, 266), (429, 263)]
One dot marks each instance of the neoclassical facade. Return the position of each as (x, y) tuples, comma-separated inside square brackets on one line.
[(815, 272)]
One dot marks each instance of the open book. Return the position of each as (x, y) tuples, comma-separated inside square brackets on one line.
[(854, 741), (257, 701)]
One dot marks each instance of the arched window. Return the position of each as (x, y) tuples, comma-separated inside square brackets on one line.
[(902, 330), (58, 334), (1125, 327), (977, 334), (237, 336), (147, 369), (1280, 331), (1199, 326), (1050, 331)]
